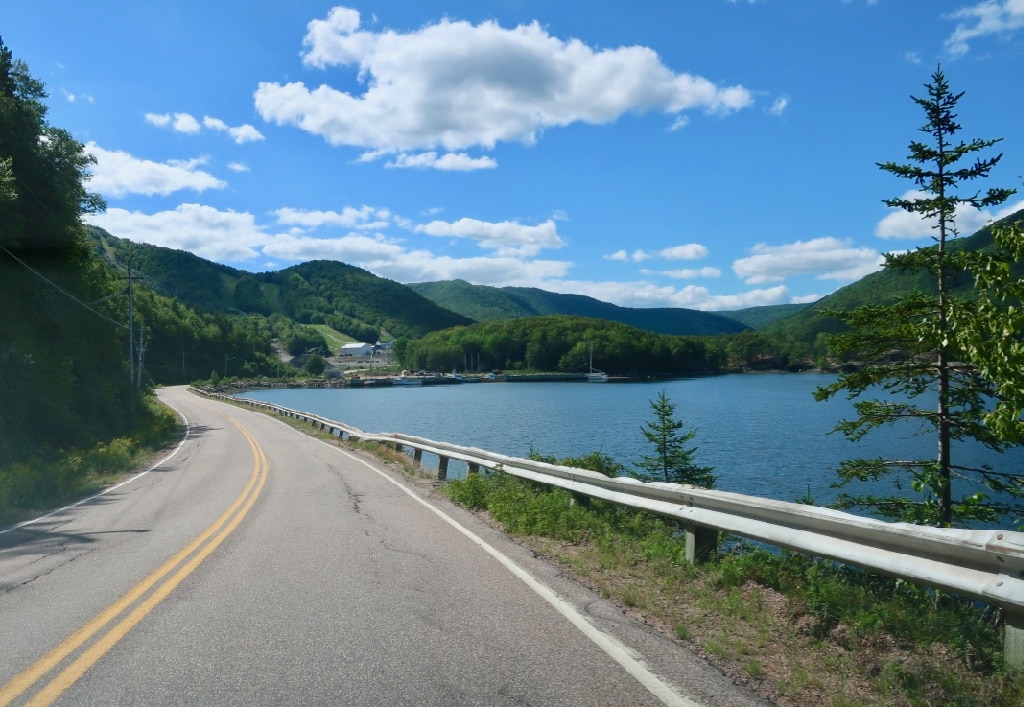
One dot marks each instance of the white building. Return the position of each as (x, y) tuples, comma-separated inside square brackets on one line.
[(356, 348)]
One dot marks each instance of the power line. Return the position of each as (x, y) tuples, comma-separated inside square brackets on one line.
[(60, 289)]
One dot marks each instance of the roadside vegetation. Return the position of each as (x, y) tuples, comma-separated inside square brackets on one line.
[(40, 483), (797, 630)]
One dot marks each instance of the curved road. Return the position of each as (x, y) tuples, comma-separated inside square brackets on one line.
[(258, 566)]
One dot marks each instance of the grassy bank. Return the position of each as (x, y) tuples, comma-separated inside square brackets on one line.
[(799, 631), (64, 476)]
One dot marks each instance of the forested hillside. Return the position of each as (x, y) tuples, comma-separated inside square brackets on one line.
[(352, 300), (564, 344), (485, 304), (761, 317), (63, 352), (808, 325)]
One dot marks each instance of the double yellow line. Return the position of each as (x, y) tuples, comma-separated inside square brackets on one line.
[(138, 602)]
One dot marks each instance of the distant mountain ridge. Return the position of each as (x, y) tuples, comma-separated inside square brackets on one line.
[(484, 304), (347, 298), (882, 287)]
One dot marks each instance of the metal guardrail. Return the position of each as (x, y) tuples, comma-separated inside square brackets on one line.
[(986, 565)]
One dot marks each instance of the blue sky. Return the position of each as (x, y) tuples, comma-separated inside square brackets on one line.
[(711, 154)]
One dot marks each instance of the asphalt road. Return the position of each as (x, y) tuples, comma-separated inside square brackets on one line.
[(257, 566)]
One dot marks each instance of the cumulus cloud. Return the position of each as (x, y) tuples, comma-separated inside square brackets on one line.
[(179, 122), (900, 224), (186, 123), (454, 85), (689, 251), (366, 217), (208, 232), (390, 259), (240, 134), (992, 17), (507, 238), (648, 294), (825, 258), (691, 273), (117, 174), (448, 162), (229, 236)]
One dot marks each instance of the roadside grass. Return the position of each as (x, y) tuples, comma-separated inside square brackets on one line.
[(38, 485), (798, 630)]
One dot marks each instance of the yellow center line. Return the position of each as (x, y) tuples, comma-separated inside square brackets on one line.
[(35, 672)]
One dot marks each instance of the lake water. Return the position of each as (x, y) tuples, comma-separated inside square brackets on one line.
[(763, 433)]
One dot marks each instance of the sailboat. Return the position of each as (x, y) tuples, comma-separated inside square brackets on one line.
[(595, 376)]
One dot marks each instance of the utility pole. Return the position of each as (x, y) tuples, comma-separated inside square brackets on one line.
[(131, 327), (142, 355)]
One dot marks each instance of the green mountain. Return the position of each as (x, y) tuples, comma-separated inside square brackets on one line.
[(344, 297), (882, 287), (760, 317), (485, 304)]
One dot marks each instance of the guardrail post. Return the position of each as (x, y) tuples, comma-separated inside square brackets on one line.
[(398, 447), (442, 468), (417, 457), (701, 543), (1013, 641), (474, 468)]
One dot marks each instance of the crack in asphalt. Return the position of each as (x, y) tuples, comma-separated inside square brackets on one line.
[(355, 498)]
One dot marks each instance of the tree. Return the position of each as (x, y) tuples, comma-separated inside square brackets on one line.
[(989, 330), (44, 170), (594, 461), (672, 460), (315, 365), (907, 347)]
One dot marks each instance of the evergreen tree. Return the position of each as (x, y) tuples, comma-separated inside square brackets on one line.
[(672, 460), (907, 348)]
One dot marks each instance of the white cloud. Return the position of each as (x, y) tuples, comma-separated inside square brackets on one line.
[(689, 251), (179, 122), (241, 134), (71, 97), (984, 19), (389, 259), (825, 258), (185, 123), (905, 225), (209, 233), (366, 217), (506, 238), (779, 106), (450, 161), (455, 85), (647, 294), (160, 120), (117, 174), (237, 167), (689, 274)]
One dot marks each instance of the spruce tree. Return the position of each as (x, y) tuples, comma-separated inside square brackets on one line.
[(907, 350), (672, 460)]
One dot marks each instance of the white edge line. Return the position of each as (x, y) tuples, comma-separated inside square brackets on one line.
[(617, 650), (107, 490)]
